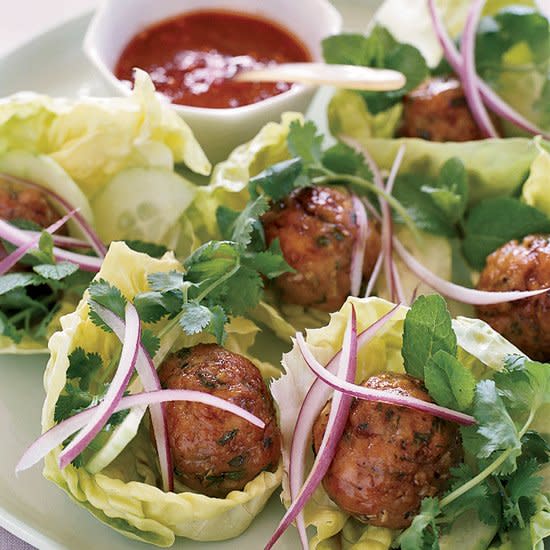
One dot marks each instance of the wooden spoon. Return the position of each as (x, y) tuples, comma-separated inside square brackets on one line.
[(341, 76)]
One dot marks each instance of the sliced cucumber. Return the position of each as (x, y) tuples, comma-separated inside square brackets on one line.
[(44, 171), (141, 203)]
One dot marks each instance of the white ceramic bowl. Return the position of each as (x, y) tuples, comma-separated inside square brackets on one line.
[(218, 130)]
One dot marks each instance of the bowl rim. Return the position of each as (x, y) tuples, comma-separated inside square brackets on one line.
[(90, 48)]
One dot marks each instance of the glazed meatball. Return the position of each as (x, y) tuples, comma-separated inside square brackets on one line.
[(214, 451), (389, 458), (21, 203), (437, 111), (521, 265), (316, 229)]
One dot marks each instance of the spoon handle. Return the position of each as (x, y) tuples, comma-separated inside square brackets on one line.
[(341, 76)]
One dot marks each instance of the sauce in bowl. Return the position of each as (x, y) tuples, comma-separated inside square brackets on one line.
[(193, 57)]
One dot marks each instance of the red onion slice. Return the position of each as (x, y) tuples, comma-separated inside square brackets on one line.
[(150, 381), (9, 261), (85, 227), (490, 97), (468, 74), (374, 275), (368, 394), (359, 245), (457, 292), (337, 420), (315, 399), (119, 383), (18, 237), (55, 436)]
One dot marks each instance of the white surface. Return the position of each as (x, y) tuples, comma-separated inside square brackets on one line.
[(23, 19)]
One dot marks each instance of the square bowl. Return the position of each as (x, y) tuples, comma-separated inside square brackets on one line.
[(218, 130)]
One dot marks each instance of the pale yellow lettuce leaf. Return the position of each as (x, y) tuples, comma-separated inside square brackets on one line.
[(123, 495)]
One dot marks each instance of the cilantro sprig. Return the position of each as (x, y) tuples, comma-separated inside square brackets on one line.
[(500, 480), (31, 296)]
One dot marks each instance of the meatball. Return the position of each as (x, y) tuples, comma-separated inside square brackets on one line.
[(214, 451), (437, 111), (389, 458), (22, 203), (316, 228), (521, 265)]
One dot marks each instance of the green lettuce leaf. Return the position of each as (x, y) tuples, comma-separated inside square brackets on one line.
[(124, 495)]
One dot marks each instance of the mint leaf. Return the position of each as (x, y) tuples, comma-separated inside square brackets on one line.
[(494, 222), (56, 272), (427, 330), (426, 214), (450, 383), (195, 318), (304, 142), (423, 532), (450, 193), (277, 181)]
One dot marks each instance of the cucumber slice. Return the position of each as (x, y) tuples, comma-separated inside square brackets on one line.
[(141, 203), (44, 171)]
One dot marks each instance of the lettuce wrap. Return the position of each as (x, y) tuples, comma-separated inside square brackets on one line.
[(124, 494), (115, 160), (512, 56), (481, 351)]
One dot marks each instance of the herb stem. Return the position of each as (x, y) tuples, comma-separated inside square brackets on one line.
[(361, 182), (489, 470)]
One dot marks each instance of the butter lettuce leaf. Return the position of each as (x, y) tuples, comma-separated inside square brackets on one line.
[(124, 495)]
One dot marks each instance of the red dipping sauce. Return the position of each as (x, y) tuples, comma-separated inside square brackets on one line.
[(193, 57)]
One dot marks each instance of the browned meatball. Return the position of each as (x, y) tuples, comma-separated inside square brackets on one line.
[(437, 111), (389, 457), (214, 451), (22, 203), (316, 228), (520, 266)]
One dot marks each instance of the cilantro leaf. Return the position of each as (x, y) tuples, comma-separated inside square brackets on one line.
[(277, 181), (110, 297), (248, 221), (423, 532), (521, 489), (154, 305), (217, 324), (304, 142), (343, 159), (56, 272), (449, 382), (162, 281), (84, 366), (495, 432), (10, 281), (195, 318), (226, 218), (8, 329), (271, 262), (494, 222), (427, 330), (150, 342)]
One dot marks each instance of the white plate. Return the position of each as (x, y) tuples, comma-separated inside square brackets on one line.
[(31, 507)]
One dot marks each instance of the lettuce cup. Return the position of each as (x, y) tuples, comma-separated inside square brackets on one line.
[(421, 386), (109, 165), (393, 218), (204, 460)]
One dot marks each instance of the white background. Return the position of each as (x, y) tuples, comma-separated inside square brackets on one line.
[(22, 19)]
